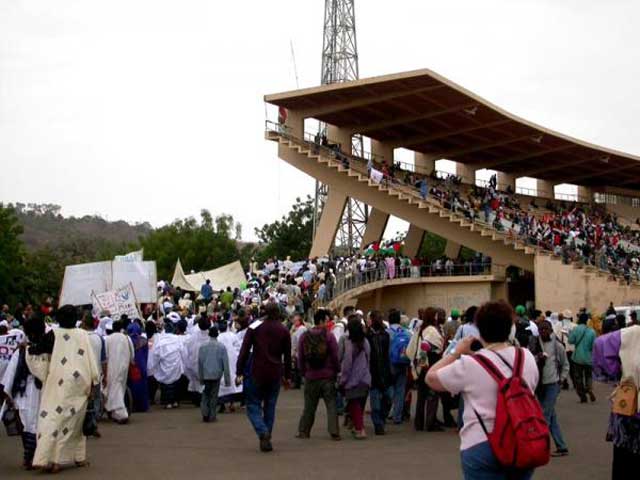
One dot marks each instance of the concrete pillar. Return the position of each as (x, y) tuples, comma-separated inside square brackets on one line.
[(452, 250), (544, 189), (505, 180), (340, 136), (382, 152), (378, 301), (585, 194), (295, 124), (425, 164), (329, 223), (466, 172), (376, 225), (413, 241)]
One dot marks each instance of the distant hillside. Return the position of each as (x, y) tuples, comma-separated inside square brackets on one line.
[(44, 226)]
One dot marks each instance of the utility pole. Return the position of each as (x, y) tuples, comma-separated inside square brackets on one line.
[(340, 64)]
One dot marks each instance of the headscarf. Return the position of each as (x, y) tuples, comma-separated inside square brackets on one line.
[(134, 331)]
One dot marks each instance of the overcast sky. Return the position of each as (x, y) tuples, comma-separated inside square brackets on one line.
[(150, 110)]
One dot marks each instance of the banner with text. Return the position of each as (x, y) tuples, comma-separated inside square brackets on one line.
[(117, 302)]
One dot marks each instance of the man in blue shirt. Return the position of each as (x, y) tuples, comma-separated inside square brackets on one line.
[(206, 291)]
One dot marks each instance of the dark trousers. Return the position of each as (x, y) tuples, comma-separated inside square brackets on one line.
[(153, 389), (295, 376), (314, 390), (29, 446), (169, 393), (426, 405), (380, 400), (625, 464), (582, 379), (209, 400), (449, 402), (261, 405), (399, 384), (572, 369)]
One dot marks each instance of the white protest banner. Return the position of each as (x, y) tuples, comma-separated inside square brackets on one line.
[(127, 303), (103, 302), (117, 302), (81, 280), (136, 256), (143, 277)]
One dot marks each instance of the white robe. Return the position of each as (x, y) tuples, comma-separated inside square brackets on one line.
[(232, 342), (119, 357), (192, 344), (27, 403), (166, 358), (67, 377)]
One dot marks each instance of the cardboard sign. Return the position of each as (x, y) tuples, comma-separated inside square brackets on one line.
[(118, 302)]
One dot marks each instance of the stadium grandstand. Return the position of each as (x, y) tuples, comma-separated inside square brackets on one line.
[(577, 250)]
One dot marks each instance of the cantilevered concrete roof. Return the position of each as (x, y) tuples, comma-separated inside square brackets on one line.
[(423, 111)]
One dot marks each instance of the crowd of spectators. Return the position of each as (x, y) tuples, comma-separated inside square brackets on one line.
[(577, 232)]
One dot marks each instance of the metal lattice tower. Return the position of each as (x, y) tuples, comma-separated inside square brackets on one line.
[(340, 64)]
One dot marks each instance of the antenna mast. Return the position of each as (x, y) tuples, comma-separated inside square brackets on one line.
[(340, 64)]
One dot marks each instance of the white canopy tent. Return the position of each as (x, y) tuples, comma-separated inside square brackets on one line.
[(231, 275)]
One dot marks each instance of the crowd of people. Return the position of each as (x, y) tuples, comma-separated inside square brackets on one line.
[(578, 232), (233, 349)]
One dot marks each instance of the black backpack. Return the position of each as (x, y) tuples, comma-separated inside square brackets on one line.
[(316, 349)]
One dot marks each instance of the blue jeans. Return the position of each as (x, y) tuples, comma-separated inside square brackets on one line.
[(548, 394), (261, 405), (380, 400), (399, 385), (479, 463)]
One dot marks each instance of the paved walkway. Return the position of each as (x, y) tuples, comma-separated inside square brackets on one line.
[(175, 444)]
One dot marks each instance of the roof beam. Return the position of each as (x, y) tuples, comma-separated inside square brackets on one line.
[(600, 173), (418, 139), (525, 156), (634, 179), (558, 166), (370, 127), (476, 148), (340, 106)]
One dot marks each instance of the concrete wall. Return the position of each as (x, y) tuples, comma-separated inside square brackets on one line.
[(627, 212), (559, 287), (410, 297)]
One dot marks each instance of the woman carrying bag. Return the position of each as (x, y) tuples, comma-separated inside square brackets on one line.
[(355, 378)]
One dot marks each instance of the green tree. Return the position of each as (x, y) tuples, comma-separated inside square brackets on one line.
[(432, 246), (11, 255), (200, 246), (289, 236)]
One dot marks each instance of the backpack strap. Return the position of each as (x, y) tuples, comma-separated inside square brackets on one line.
[(518, 365), (489, 366)]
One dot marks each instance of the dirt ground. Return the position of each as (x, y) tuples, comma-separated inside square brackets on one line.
[(176, 444)]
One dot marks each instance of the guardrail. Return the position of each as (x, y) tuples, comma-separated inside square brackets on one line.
[(346, 281)]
